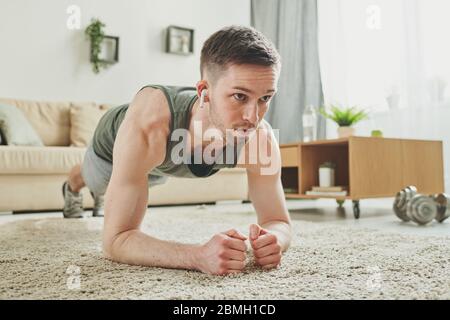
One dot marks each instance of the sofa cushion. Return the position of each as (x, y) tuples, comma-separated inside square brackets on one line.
[(84, 118), (51, 120), (39, 160), (16, 129)]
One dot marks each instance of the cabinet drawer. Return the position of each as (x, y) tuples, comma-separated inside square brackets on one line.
[(289, 157)]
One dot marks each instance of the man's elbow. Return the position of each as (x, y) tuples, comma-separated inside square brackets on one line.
[(107, 249), (112, 245)]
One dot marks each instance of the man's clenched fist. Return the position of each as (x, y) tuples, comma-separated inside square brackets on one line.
[(225, 253), (265, 246)]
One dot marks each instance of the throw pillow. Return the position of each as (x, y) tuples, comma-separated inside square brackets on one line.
[(16, 129), (84, 118)]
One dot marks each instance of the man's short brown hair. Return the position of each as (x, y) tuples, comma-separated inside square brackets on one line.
[(237, 45)]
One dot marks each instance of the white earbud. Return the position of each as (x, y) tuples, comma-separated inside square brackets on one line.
[(202, 98)]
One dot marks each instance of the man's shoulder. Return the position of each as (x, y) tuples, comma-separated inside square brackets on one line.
[(151, 99), (150, 110), (264, 133), (265, 125), (146, 125)]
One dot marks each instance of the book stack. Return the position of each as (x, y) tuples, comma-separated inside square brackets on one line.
[(335, 191)]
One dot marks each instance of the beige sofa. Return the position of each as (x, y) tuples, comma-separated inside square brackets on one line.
[(31, 177)]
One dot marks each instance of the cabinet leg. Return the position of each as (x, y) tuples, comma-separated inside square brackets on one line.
[(356, 209)]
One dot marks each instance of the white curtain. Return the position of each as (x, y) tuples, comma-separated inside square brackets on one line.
[(393, 58), (371, 53)]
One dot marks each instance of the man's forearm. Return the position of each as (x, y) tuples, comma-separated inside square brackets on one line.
[(137, 248), (282, 230)]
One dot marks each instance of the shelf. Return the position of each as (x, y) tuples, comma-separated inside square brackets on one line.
[(312, 155), (370, 167), (289, 178), (304, 196)]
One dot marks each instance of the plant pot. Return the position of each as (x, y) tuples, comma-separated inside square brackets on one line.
[(345, 132), (326, 177)]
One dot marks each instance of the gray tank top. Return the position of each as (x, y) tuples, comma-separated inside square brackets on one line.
[(180, 100)]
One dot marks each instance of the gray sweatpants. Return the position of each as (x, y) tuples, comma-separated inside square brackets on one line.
[(96, 173)]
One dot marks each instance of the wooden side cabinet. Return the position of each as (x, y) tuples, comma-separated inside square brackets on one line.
[(370, 167)]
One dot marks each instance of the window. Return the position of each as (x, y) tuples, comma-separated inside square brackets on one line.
[(385, 54)]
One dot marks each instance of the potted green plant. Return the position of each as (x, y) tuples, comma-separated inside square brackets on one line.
[(376, 133), (95, 34), (345, 118)]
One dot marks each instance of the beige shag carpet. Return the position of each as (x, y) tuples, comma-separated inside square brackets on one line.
[(55, 258)]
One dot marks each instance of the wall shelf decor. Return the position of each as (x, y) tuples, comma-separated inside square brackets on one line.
[(104, 49), (109, 52), (179, 40)]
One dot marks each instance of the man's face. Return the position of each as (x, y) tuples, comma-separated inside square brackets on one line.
[(240, 97)]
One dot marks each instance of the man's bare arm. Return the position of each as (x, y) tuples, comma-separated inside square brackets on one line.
[(267, 196), (138, 149), (266, 191)]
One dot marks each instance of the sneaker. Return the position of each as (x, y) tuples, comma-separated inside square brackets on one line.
[(73, 202), (99, 203)]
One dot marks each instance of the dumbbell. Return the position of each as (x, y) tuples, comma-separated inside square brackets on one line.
[(422, 209), (443, 206), (401, 202)]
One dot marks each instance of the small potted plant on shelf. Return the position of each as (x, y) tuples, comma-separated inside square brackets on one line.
[(377, 133), (345, 118)]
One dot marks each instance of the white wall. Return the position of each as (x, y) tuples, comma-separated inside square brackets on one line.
[(41, 59)]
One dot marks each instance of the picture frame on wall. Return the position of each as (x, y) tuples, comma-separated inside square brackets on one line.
[(179, 40), (109, 50)]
